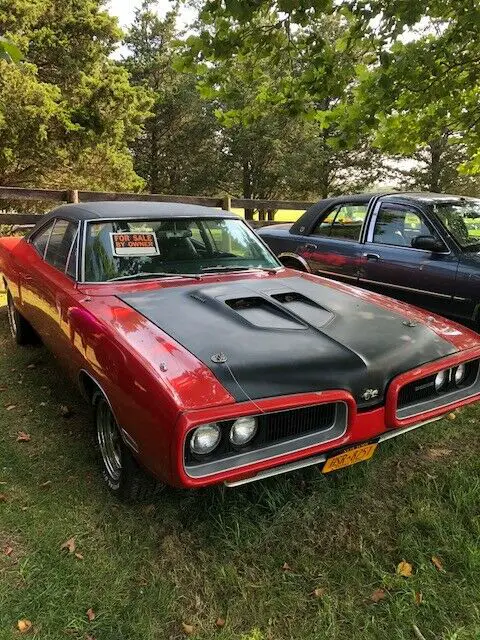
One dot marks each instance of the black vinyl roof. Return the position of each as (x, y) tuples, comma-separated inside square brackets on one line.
[(115, 210)]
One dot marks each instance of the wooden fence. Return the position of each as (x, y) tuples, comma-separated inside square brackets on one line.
[(266, 207)]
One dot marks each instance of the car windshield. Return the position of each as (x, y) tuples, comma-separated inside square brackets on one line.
[(462, 219), (126, 249)]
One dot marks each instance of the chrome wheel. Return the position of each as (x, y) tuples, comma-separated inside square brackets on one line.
[(12, 319), (109, 442)]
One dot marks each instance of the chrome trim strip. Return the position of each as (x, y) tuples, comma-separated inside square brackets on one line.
[(276, 471), (398, 286), (335, 275), (295, 256), (127, 438), (276, 450), (309, 462), (74, 242)]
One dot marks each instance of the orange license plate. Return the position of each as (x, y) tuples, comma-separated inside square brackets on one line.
[(347, 458)]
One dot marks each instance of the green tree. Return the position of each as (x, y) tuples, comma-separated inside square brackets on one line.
[(178, 151), (78, 109), (281, 120), (414, 93)]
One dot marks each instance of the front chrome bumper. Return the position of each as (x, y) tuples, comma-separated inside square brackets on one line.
[(309, 462)]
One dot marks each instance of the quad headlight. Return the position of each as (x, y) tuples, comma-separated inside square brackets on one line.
[(243, 430), (441, 379), (460, 373), (205, 439)]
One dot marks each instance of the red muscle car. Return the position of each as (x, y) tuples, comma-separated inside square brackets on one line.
[(207, 361)]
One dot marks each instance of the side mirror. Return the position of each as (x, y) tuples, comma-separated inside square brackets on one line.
[(428, 243)]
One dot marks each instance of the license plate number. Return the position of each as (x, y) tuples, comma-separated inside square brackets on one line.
[(347, 458)]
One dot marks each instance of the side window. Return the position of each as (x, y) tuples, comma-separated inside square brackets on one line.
[(398, 226), (344, 223), (41, 239), (72, 259), (60, 242)]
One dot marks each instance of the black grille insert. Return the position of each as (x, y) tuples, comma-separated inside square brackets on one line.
[(423, 389), (273, 428)]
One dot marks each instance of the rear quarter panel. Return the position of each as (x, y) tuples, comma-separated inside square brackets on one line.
[(9, 273)]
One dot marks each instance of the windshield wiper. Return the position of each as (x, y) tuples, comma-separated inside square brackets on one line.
[(237, 268), (156, 274)]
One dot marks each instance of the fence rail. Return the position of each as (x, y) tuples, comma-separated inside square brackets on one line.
[(266, 207)]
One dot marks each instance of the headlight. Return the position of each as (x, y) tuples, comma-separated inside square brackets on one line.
[(440, 380), (243, 430), (205, 439), (460, 372)]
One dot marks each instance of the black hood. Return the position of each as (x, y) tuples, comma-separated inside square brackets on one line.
[(264, 338)]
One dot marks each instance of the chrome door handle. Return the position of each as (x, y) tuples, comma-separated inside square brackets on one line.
[(371, 256)]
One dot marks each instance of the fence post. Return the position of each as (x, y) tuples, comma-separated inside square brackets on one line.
[(227, 203), (72, 196)]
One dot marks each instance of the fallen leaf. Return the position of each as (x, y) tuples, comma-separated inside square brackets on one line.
[(32, 365), (23, 437), (418, 598), (452, 416), (319, 592), (286, 567), (438, 453), (79, 556), (418, 633), (438, 563), (188, 629), (90, 614), (65, 411), (46, 484), (3, 497), (8, 551), (220, 623), (10, 407), (24, 626), (404, 569), (69, 544), (377, 595)]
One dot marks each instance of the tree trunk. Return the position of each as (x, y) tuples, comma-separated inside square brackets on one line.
[(153, 181), (436, 148), (247, 187)]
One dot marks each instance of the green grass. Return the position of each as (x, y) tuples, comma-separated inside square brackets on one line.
[(195, 556)]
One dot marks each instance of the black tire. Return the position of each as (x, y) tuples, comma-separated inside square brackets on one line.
[(122, 474), (21, 330)]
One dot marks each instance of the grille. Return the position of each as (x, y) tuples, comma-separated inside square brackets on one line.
[(273, 428), (424, 389)]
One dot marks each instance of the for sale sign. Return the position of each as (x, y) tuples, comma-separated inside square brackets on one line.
[(134, 244)]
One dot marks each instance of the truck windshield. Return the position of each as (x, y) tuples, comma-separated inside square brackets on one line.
[(462, 219), (117, 249)]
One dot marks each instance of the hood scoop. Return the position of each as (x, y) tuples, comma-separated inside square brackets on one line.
[(263, 314)]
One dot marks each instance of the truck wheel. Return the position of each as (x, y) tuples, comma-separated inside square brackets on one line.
[(123, 475), (21, 330)]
